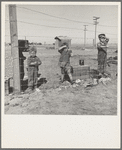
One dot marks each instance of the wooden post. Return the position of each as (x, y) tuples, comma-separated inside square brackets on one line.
[(85, 36), (14, 48)]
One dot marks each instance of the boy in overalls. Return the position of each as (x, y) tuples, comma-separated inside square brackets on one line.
[(64, 62), (102, 53), (32, 63)]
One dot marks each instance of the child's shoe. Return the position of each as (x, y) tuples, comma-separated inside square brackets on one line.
[(37, 90), (72, 82)]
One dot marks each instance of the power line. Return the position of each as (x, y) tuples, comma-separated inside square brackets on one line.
[(48, 36), (61, 17), (53, 16), (47, 25), (54, 36), (61, 27), (58, 27)]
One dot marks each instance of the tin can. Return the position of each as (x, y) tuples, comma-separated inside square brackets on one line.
[(81, 62)]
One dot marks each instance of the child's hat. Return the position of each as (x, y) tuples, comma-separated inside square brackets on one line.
[(32, 49), (101, 36)]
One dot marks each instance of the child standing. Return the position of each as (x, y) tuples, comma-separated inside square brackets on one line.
[(64, 61), (32, 64), (102, 53)]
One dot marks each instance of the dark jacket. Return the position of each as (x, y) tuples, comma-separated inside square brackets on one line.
[(33, 59), (65, 55)]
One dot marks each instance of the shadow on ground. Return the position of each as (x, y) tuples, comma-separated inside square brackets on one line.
[(40, 82), (24, 84)]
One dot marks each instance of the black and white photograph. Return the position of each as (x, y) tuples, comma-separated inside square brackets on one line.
[(61, 59)]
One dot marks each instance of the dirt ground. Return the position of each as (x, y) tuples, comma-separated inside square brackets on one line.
[(63, 99)]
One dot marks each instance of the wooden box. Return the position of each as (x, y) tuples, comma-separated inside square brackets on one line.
[(81, 72)]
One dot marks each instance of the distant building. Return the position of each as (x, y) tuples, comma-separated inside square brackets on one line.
[(62, 39)]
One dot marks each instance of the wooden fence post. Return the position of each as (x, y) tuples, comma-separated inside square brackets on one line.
[(14, 48)]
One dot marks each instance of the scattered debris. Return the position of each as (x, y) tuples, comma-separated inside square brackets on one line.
[(95, 81), (87, 85), (91, 83), (75, 85), (104, 80), (112, 60), (65, 87), (78, 81), (37, 90), (58, 89)]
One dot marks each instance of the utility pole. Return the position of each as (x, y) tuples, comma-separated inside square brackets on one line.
[(85, 36), (95, 23), (14, 48)]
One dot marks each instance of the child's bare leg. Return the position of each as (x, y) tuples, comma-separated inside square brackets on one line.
[(62, 77), (62, 74), (70, 76)]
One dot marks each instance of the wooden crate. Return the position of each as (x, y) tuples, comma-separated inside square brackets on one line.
[(81, 72)]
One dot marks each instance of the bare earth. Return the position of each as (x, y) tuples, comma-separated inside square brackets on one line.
[(57, 99)]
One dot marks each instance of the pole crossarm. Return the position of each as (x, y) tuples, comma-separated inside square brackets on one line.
[(95, 23), (85, 35)]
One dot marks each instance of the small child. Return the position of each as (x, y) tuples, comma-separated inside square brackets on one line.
[(102, 53), (32, 65), (64, 62)]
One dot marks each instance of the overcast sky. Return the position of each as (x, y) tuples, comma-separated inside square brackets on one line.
[(41, 23)]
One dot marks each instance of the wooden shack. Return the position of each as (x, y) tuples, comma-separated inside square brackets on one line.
[(62, 39)]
